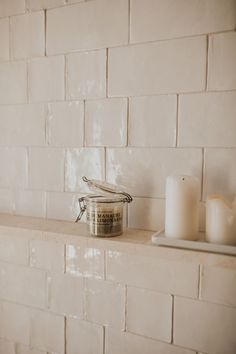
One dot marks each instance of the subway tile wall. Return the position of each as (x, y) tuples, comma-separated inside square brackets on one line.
[(64, 294), (125, 90)]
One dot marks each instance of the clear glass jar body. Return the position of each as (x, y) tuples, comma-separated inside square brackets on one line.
[(104, 217)]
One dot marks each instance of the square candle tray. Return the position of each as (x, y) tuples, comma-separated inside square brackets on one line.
[(160, 239)]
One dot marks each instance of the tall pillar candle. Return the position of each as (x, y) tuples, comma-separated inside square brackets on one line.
[(220, 221), (182, 207)]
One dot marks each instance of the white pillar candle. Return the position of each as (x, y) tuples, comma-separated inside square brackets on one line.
[(220, 221), (182, 207)]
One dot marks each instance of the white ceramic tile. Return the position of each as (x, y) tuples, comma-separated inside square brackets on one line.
[(147, 214), (4, 39), (46, 79), (222, 57), (106, 122), (22, 125), (12, 7), (83, 337), (66, 295), (7, 347), (63, 206), (105, 303), (154, 274), (23, 285), (69, 29), (220, 172), (154, 315), (84, 261), (160, 19), (14, 250), (207, 119), (7, 204), (86, 75), (66, 123), (46, 169), (161, 67), (13, 172), (13, 82), (204, 327), (123, 342), (47, 255), (27, 35), (218, 285), (152, 121), (43, 4), (15, 322), (31, 203), (143, 171), (83, 162), (47, 332)]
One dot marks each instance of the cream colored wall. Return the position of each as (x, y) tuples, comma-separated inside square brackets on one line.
[(70, 294), (131, 91)]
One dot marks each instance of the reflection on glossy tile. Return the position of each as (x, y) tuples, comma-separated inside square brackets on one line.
[(88, 262), (106, 122), (86, 75), (144, 171), (83, 162)]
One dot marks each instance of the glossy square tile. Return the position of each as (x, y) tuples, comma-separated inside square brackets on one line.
[(47, 255), (31, 203), (43, 4), (126, 167), (105, 303), (13, 82), (222, 56), (27, 35), (51, 162), (154, 317), (46, 79), (4, 39), (83, 337), (65, 124), (207, 119), (13, 7), (14, 165), (106, 122), (65, 295), (152, 120), (86, 75), (22, 125), (83, 162), (83, 261), (68, 29)]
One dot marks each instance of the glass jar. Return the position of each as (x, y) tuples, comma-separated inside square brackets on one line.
[(104, 213)]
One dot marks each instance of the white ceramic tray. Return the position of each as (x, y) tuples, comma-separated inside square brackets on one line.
[(159, 239)]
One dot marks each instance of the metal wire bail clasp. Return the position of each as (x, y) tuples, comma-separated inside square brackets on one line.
[(83, 207)]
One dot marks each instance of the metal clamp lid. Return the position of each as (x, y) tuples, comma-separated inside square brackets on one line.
[(101, 186)]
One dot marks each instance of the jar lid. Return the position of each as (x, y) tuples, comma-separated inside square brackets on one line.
[(107, 189)]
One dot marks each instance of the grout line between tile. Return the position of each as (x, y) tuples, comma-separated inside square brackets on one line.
[(177, 122), (207, 62), (200, 272), (45, 32), (107, 72), (203, 174), (172, 320), (129, 20)]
